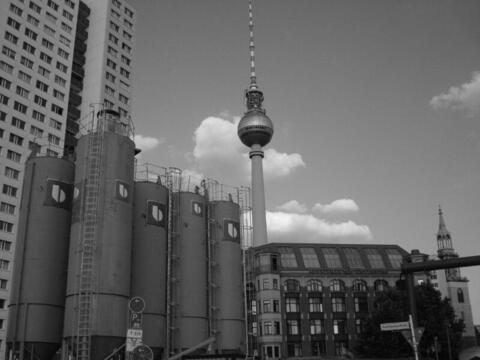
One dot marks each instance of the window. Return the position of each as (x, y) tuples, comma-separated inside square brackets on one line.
[(20, 107), (310, 259), (113, 38), (353, 258), (332, 258), (316, 327), (117, 4), (60, 81), (67, 15), (15, 139), (35, 131), (294, 349), (126, 48), (287, 257), (127, 24), (112, 51), (5, 245), (338, 304), (3, 284), (319, 348), (123, 99), (292, 327), (124, 84), (114, 26), (63, 54), (340, 347), (360, 325), (8, 52), (253, 306), (108, 104), (52, 4), (47, 44), (16, 10), (276, 306), (460, 296), (266, 284), (46, 58), (39, 100), (26, 62), (314, 285), (48, 30), (111, 64), (127, 36), (380, 285), (70, 3), (291, 285), (58, 94), (267, 328), (28, 48), (34, 7), (50, 17), (32, 20), (337, 285), (375, 259), (10, 37), (4, 99), (125, 73), (109, 91), (6, 67), (13, 23), (128, 12), (361, 304), (5, 83), (395, 258), (12, 173), (339, 326), (44, 72), (4, 265), (275, 284), (292, 305), (22, 92), (359, 285), (115, 14), (315, 304), (65, 41), (57, 109), (9, 190), (3, 116), (125, 60), (38, 116), (267, 306), (62, 67), (52, 153), (31, 34), (66, 28)]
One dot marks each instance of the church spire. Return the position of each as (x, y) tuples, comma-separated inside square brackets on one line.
[(444, 240)]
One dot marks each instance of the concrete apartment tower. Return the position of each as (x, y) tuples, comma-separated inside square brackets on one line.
[(451, 284), (57, 58)]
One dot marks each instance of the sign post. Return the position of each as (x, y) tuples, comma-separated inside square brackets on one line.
[(134, 338), (411, 334), (414, 340)]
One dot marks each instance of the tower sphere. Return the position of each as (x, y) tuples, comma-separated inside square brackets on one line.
[(255, 128)]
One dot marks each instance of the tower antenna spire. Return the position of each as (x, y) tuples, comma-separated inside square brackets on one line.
[(253, 75)]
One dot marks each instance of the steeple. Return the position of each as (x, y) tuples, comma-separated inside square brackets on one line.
[(444, 240)]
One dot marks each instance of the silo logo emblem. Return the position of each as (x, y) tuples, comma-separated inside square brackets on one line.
[(156, 213), (197, 208), (123, 190), (231, 230), (76, 192), (58, 194)]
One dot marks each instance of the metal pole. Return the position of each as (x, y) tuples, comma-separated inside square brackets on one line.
[(448, 342), (411, 297), (435, 342), (414, 340)]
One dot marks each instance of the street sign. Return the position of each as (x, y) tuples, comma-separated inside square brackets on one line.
[(407, 334), (142, 352), (135, 333), (402, 325)]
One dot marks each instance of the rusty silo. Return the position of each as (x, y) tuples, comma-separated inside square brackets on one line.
[(98, 286), (39, 277), (149, 259)]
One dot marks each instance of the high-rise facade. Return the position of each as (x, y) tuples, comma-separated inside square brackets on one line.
[(59, 61)]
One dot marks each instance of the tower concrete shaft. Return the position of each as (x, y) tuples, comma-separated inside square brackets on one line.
[(258, 197)]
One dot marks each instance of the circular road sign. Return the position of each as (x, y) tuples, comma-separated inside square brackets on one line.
[(142, 352), (136, 304)]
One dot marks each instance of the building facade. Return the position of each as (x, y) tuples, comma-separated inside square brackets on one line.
[(313, 299), (50, 49)]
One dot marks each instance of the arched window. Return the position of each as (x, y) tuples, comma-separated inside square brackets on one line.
[(359, 285), (460, 296), (380, 285), (291, 285), (337, 285), (314, 285)]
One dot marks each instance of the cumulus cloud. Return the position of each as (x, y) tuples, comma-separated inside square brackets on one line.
[(219, 153), (292, 206), (291, 227), (336, 207), (146, 143), (464, 97)]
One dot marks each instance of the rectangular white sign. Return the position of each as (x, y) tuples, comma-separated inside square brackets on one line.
[(134, 333), (402, 325)]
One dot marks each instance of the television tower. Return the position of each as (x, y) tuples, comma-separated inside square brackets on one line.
[(255, 130)]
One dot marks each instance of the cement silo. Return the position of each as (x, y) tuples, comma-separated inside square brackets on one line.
[(149, 260), (37, 301), (189, 253), (226, 275), (98, 287)]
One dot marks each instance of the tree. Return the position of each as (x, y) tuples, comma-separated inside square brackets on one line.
[(434, 314)]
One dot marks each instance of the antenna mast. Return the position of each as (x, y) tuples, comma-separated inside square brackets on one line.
[(253, 76)]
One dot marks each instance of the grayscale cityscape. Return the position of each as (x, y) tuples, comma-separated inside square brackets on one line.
[(239, 179)]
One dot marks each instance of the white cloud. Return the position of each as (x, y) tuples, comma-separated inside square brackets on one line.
[(340, 206), (292, 206), (218, 153), (146, 143), (290, 227), (464, 97)]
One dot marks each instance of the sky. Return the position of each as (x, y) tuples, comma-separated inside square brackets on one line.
[(375, 104)]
